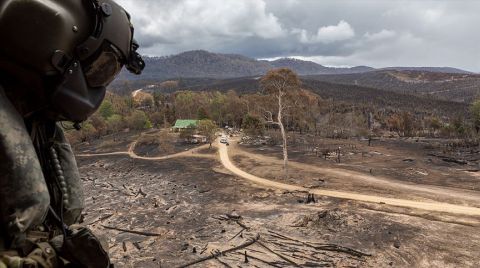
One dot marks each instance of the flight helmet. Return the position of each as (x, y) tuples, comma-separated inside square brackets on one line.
[(78, 46)]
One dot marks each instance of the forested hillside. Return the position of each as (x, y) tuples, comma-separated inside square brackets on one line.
[(352, 94), (200, 63), (458, 87), (200, 69)]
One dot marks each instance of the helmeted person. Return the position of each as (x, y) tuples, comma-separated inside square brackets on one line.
[(56, 59)]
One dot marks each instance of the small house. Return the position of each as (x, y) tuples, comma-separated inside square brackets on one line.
[(183, 124)]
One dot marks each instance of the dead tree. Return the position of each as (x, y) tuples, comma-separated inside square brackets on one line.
[(280, 84)]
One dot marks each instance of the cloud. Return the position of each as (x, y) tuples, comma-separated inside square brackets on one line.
[(175, 22), (433, 15), (383, 34), (327, 34), (341, 31), (347, 32)]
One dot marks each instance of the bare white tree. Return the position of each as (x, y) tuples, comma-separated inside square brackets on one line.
[(280, 84)]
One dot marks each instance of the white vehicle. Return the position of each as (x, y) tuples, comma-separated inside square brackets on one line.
[(223, 139)]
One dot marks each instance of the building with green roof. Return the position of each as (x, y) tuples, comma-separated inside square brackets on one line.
[(184, 124)]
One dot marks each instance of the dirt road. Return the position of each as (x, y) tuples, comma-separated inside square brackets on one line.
[(430, 206), (131, 153), (372, 180), (225, 160)]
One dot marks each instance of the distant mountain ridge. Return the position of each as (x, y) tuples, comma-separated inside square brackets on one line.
[(459, 87), (310, 68), (448, 70), (204, 64), (200, 63)]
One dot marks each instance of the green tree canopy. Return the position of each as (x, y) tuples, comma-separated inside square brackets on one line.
[(138, 120), (208, 129), (252, 125), (106, 109)]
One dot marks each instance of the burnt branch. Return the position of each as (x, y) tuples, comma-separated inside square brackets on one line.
[(220, 253)]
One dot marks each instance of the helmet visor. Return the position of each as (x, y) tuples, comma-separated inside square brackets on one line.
[(104, 68)]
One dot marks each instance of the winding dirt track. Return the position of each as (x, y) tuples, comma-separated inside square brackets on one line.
[(225, 160), (131, 153), (430, 206), (376, 181)]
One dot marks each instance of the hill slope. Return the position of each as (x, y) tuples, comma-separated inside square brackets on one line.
[(459, 87), (204, 68), (308, 67), (448, 70), (353, 95), (200, 63)]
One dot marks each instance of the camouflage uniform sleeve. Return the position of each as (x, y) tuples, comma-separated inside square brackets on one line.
[(72, 188), (24, 196)]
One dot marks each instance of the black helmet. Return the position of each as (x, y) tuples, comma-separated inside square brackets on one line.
[(80, 44)]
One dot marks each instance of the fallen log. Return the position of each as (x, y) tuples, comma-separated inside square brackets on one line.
[(222, 262), (131, 231), (101, 219), (279, 255), (241, 231), (250, 256), (215, 255), (326, 247)]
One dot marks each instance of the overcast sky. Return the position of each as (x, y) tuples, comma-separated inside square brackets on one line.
[(330, 32)]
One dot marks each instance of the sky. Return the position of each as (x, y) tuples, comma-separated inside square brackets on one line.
[(376, 33)]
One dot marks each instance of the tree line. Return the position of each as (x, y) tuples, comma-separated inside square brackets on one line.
[(302, 111)]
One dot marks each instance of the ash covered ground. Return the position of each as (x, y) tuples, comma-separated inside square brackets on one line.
[(168, 213)]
